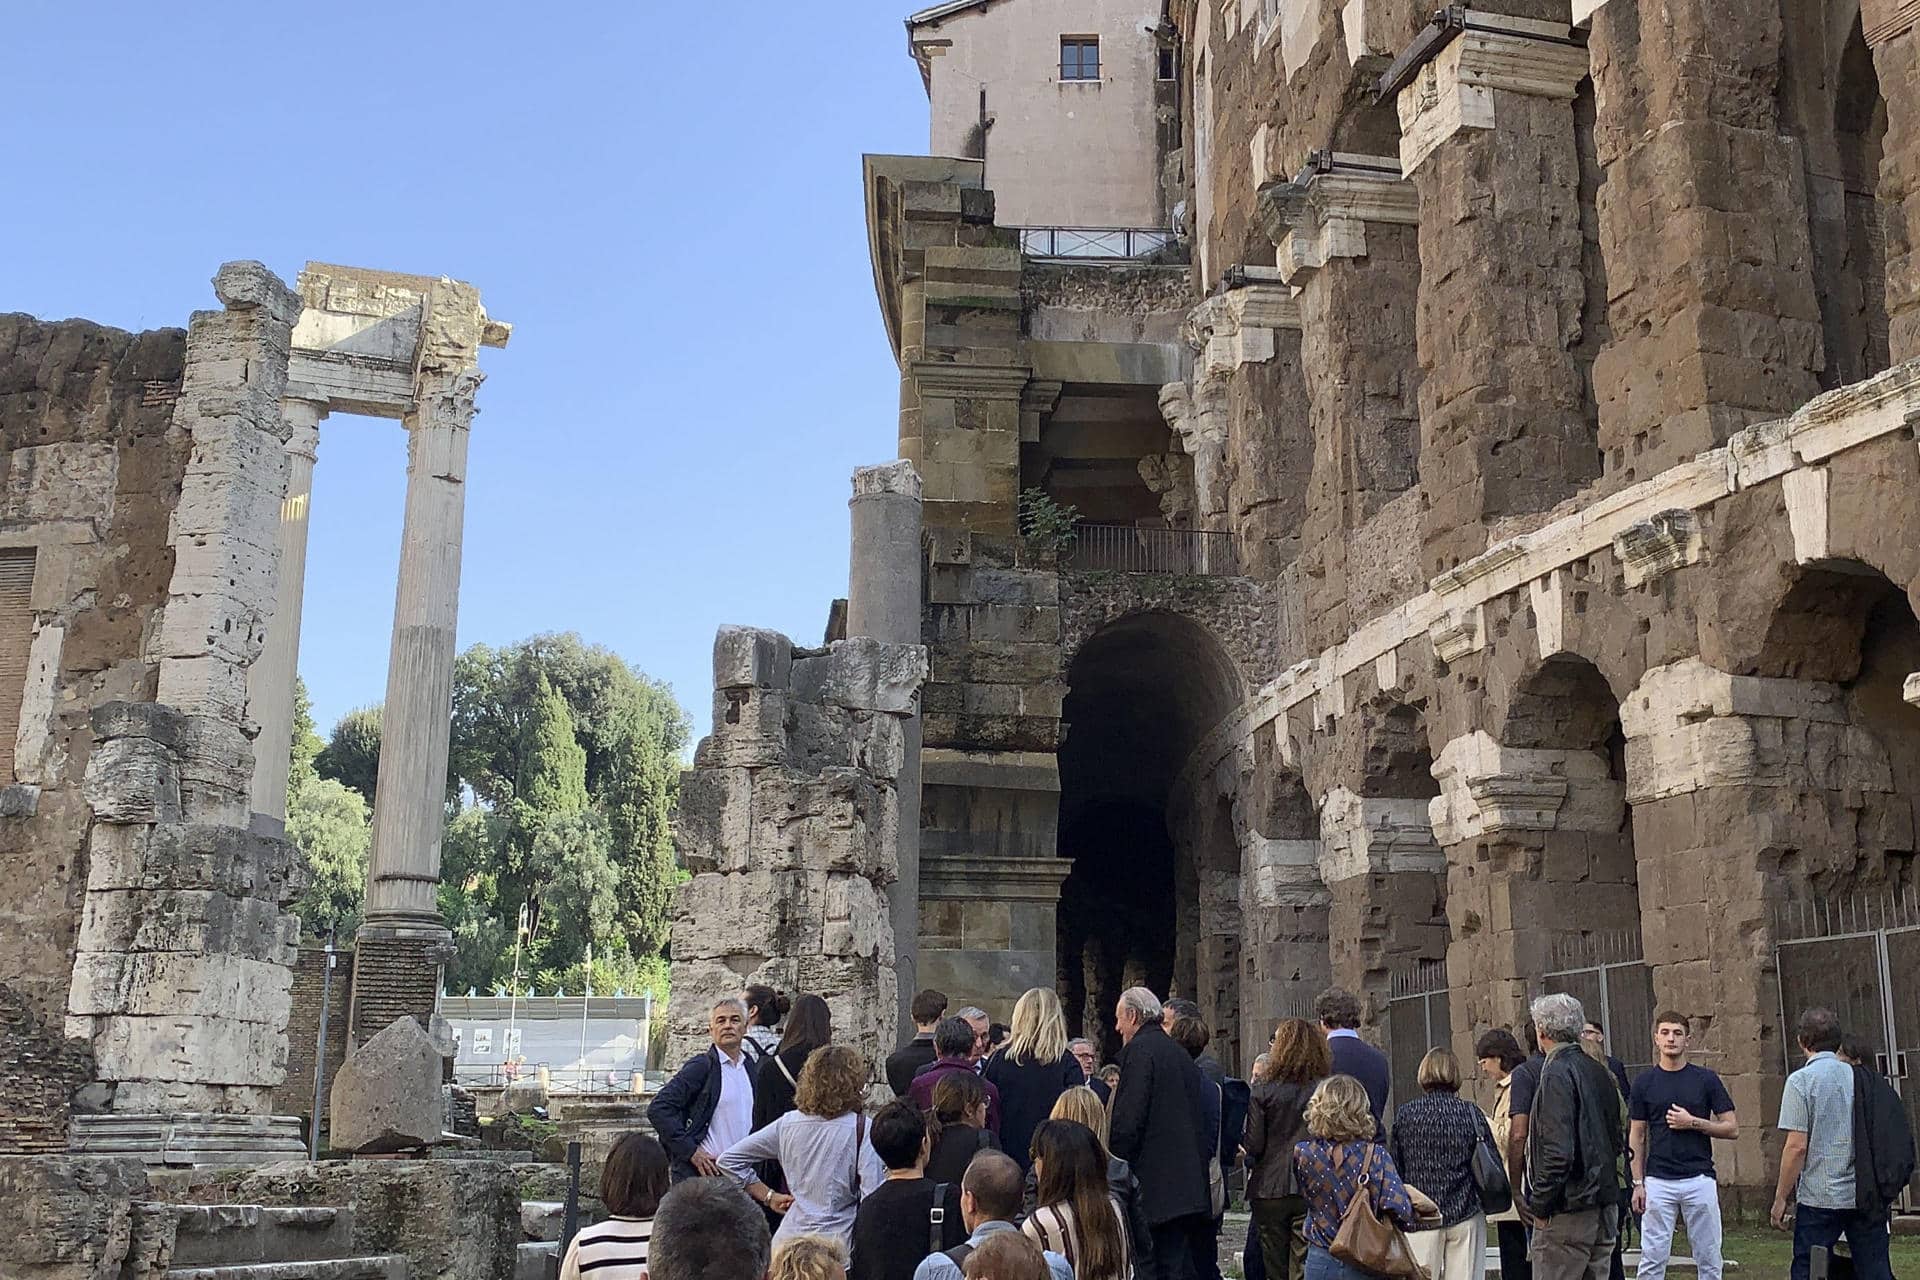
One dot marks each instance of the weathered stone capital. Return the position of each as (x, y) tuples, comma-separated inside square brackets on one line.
[(1362, 835), (303, 426), (1236, 328), (1651, 548), (1455, 89), (1487, 788), (447, 399), (1323, 214), (888, 479), (1912, 690)]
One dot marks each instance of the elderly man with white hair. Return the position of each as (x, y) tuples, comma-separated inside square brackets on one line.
[(708, 1105), (1166, 1122), (1575, 1139)]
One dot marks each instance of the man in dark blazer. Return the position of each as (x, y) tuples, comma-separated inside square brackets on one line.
[(708, 1105), (1339, 1012), (1165, 1123), (905, 1062)]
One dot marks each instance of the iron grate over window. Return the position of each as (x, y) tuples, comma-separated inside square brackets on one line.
[(1079, 57)]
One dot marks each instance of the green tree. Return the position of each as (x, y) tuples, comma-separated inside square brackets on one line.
[(352, 753), (306, 740), (327, 822), (631, 731)]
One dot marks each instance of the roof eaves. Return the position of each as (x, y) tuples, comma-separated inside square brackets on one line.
[(936, 12)]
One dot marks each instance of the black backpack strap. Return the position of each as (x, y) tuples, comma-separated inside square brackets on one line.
[(959, 1254), (937, 1218)]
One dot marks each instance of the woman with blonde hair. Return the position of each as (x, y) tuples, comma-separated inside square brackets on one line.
[(809, 1257), (1434, 1137), (1032, 1070), (821, 1145), (1338, 1161), (1276, 1119)]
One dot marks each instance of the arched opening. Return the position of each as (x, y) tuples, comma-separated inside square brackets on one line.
[(1583, 858), (1845, 625), (1142, 693)]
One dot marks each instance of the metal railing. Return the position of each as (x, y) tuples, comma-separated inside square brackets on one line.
[(1125, 548), (1096, 244)]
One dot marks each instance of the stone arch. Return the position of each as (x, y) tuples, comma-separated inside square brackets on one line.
[(1829, 95), (1143, 689)]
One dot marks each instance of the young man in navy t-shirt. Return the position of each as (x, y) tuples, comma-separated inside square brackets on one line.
[(1676, 1111)]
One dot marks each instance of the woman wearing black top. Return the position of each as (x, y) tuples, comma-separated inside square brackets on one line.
[(1434, 1137), (1277, 1119), (1032, 1071), (960, 1110), (894, 1229), (809, 1026)]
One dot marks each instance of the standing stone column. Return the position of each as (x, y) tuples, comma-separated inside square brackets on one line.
[(401, 944), (1346, 238), (1892, 29), (271, 679), (1487, 138), (883, 603), (1712, 316), (1385, 876)]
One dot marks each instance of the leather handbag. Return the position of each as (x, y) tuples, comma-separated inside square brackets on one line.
[(1370, 1242), (1490, 1174)]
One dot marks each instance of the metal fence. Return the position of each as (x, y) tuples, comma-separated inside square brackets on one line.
[(1419, 1018), (572, 1080), (1125, 548), (1860, 957), (1606, 973), (1095, 244)]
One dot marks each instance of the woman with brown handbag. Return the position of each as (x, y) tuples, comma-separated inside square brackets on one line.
[(1356, 1203)]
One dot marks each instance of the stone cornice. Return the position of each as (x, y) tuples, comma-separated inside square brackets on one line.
[(993, 381), (1882, 20), (1831, 424), (1323, 213), (968, 877), (1455, 89)]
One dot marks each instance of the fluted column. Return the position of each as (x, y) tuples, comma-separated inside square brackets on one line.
[(410, 799), (883, 601), (270, 681)]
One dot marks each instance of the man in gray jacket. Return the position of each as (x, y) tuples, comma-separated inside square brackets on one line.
[(1575, 1141)]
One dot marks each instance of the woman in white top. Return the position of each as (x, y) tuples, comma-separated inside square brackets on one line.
[(631, 1183), (1078, 1216), (822, 1147)]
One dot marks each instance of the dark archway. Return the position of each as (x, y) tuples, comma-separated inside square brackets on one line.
[(1142, 693)]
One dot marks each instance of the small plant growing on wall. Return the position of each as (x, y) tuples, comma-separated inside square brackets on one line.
[(1044, 523)]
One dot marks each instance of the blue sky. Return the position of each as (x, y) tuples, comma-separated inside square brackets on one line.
[(663, 199)]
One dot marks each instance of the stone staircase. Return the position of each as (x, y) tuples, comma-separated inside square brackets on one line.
[(257, 1242)]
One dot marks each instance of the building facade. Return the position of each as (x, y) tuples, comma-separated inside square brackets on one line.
[(1498, 543)]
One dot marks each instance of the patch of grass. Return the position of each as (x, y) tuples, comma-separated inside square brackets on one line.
[(1766, 1254)]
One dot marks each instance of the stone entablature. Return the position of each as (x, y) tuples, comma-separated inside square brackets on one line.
[(1488, 790), (1323, 214), (1487, 54), (1451, 611), (1365, 835)]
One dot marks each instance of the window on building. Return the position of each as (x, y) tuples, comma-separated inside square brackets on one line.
[(1079, 57), (16, 639), (1168, 69)]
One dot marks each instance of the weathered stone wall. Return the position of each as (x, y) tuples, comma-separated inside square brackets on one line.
[(94, 463), (788, 823)]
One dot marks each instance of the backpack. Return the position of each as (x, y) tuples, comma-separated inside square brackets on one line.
[(1883, 1155)]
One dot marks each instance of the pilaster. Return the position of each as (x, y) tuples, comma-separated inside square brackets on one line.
[(1892, 29), (1346, 238), (1487, 137), (1385, 876)]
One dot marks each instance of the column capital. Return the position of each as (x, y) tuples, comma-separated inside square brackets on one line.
[(446, 399), (1236, 328), (303, 419), (887, 479), (1447, 80), (1323, 213), (1488, 788), (1362, 835)]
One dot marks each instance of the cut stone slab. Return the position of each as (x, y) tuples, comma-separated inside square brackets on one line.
[(387, 1095)]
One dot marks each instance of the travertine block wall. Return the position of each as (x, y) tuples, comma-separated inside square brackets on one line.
[(788, 823)]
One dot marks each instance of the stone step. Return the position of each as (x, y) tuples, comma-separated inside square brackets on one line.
[(222, 1235), (385, 1266)]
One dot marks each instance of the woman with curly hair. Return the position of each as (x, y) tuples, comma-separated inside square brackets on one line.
[(1338, 1161), (821, 1145), (1079, 1217), (809, 1258), (1276, 1119)]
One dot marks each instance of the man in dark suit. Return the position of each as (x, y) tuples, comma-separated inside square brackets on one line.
[(903, 1063), (1165, 1124), (1339, 1012), (708, 1105)]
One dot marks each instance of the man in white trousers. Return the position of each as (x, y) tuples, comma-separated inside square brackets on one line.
[(1676, 1111)]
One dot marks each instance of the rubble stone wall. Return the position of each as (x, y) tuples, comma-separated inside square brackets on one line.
[(788, 822)]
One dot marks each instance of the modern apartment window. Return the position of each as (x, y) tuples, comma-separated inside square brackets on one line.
[(1079, 57)]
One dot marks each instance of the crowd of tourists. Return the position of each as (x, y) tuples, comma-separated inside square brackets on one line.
[(1011, 1153)]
